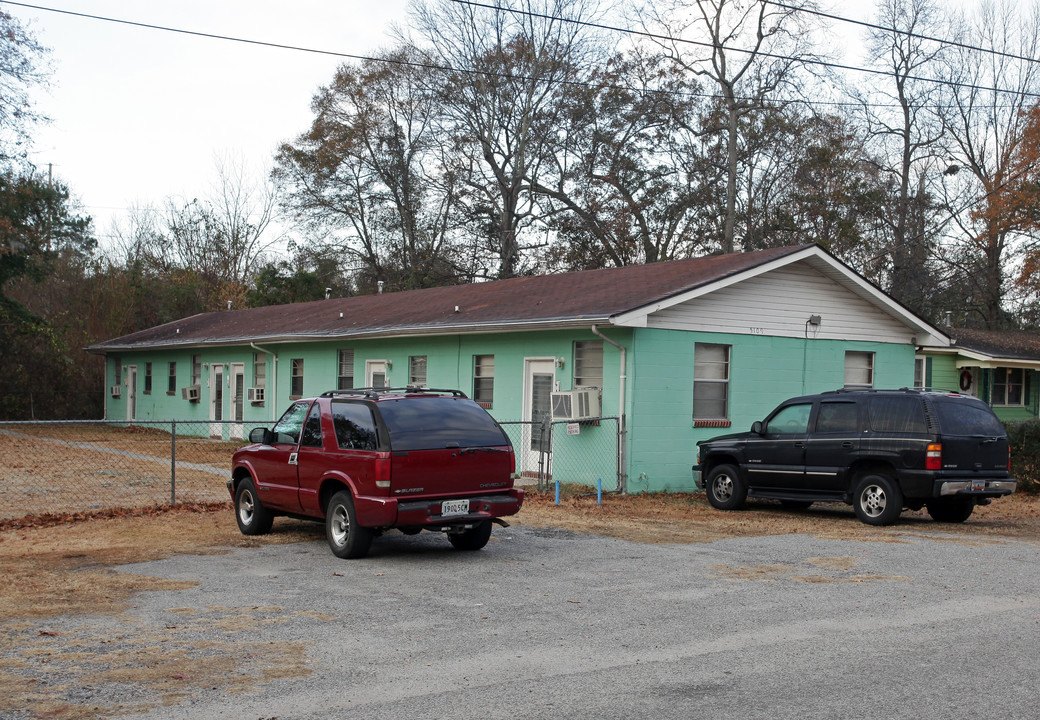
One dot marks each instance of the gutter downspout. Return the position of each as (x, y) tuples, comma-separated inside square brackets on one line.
[(274, 377), (622, 429)]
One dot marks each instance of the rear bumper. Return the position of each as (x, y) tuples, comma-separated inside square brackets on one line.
[(989, 488), (391, 512)]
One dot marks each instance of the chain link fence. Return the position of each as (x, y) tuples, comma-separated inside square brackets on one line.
[(81, 466), (53, 467), (577, 453)]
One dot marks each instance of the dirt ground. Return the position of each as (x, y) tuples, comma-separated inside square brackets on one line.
[(77, 468), (61, 567)]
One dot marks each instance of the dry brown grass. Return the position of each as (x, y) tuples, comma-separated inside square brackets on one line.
[(64, 569)]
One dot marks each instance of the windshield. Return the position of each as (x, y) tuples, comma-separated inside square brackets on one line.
[(439, 422), (967, 417)]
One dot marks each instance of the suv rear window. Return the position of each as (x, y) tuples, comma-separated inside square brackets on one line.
[(437, 422), (967, 417), (897, 415)]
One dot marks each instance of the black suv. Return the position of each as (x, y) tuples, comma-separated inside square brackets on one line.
[(878, 450)]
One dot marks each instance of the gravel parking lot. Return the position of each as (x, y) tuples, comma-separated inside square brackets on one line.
[(547, 623)]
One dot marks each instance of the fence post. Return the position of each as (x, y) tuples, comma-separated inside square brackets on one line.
[(173, 462)]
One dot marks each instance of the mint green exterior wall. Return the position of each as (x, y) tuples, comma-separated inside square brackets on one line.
[(764, 371)]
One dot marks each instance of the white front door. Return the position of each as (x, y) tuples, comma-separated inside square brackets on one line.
[(216, 401), (539, 382), (375, 373), (131, 393), (238, 396)]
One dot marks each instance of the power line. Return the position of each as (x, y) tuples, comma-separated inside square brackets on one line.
[(774, 56), (374, 59), (907, 33)]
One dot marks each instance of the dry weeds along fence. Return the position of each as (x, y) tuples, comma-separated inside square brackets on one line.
[(66, 467)]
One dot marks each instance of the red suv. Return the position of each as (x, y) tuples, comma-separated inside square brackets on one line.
[(371, 459)]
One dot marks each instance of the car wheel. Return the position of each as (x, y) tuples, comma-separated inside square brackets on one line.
[(473, 539), (796, 504), (252, 517), (346, 538), (877, 500), (951, 510), (726, 491)]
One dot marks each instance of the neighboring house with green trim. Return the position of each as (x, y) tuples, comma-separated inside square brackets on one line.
[(999, 367), (680, 350)]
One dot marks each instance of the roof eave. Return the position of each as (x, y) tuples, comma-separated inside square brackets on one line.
[(372, 333)]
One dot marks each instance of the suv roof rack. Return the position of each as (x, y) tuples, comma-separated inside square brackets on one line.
[(374, 392)]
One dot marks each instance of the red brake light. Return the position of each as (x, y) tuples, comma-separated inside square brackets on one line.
[(933, 457)]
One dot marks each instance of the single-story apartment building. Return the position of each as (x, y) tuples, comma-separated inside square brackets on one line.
[(679, 351)]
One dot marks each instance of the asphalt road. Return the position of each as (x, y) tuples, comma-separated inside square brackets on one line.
[(552, 624)]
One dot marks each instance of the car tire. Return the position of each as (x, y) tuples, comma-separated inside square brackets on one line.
[(877, 500), (250, 514), (951, 510), (726, 491), (796, 504), (473, 539), (346, 538)]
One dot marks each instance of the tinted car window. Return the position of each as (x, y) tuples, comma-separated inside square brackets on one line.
[(838, 418), (287, 429), (791, 420), (439, 422), (355, 426), (967, 417), (896, 415), (312, 428)]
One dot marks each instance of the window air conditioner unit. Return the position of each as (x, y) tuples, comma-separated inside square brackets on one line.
[(116, 390), (576, 404), (190, 393), (255, 394)]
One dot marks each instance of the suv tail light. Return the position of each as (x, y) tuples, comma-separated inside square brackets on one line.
[(1009, 459), (933, 457), (382, 472)]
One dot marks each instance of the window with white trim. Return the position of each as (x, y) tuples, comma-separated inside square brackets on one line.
[(484, 378), (259, 369), (1008, 387), (171, 386), (196, 369), (345, 373), (859, 370), (147, 378), (417, 370), (296, 380), (920, 373), (711, 381), (588, 363)]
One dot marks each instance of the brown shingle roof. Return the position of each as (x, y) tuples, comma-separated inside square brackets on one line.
[(567, 298), (1008, 344)]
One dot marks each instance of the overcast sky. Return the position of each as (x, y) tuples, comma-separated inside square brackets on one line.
[(141, 114)]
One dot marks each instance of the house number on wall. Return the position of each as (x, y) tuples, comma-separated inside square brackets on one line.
[(758, 331)]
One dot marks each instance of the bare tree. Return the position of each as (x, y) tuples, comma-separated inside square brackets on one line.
[(372, 175), (991, 81), (617, 177), (748, 50), (508, 65), (904, 132), (22, 67)]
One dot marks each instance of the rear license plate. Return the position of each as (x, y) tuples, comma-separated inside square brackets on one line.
[(978, 485), (455, 507)]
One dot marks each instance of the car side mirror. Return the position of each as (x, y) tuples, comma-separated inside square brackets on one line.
[(261, 436), (757, 427)]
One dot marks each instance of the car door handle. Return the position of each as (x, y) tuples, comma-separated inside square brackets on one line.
[(846, 444), (799, 444)]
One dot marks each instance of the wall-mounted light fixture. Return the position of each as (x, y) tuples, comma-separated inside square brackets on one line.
[(815, 320), (559, 363), (389, 364)]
